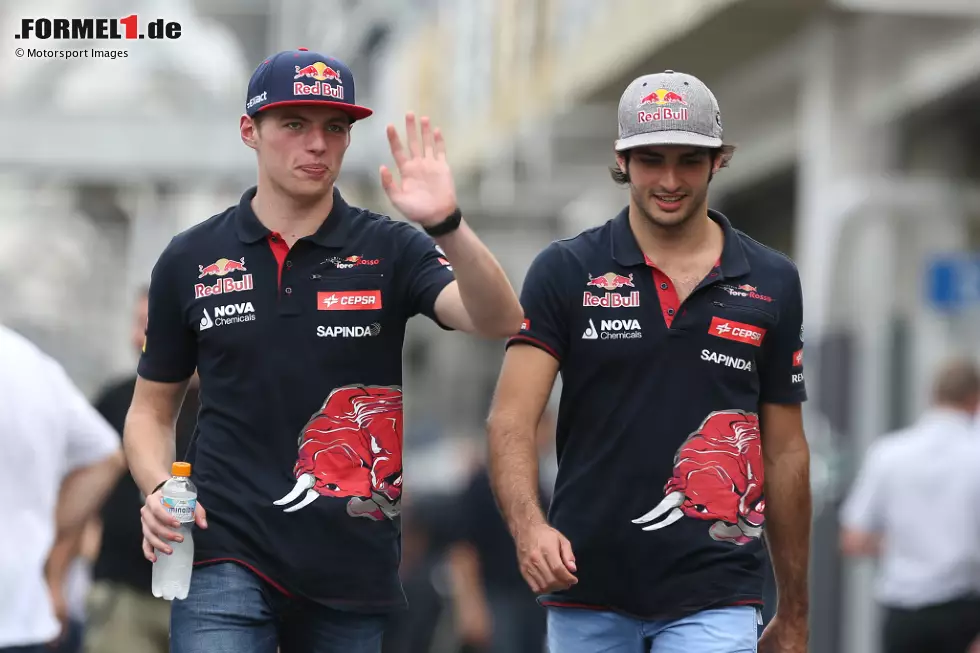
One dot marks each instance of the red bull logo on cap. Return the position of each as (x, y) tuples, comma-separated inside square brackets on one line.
[(318, 71), (660, 98), (323, 76), (718, 477)]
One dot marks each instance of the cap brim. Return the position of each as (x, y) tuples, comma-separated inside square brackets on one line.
[(353, 110), (667, 138)]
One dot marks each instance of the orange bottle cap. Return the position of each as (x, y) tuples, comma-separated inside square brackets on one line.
[(180, 469)]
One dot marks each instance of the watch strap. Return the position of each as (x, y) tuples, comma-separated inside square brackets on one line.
[(448, 225)]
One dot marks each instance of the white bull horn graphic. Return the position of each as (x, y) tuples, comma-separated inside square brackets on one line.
[(304, 482), (669, 506)]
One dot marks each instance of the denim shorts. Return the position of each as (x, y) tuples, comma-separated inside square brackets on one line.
[(723, 630), (229, 609)]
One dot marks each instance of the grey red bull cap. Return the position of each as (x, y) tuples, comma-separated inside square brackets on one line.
[(301, 77), (668, 108)]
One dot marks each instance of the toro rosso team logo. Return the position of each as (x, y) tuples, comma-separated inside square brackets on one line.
[(352, 447), (717, 477)]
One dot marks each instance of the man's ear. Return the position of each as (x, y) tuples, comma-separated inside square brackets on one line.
[(249, 130), (622, 162), (718, 163)]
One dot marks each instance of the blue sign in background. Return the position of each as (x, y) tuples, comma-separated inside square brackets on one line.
[(953, 281)]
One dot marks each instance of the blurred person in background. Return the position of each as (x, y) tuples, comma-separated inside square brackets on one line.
[(425, 533), (495, 611), (680, 432), (297, 335), (915, 505), (61, 459), (123, 615)]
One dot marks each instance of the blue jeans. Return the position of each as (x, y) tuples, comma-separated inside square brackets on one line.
[(724, 630), (231, 610)]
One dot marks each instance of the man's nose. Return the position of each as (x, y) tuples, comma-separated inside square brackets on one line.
[(317, 141), (670, 180)]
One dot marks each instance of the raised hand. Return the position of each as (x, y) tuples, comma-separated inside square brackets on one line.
[(425, 192)]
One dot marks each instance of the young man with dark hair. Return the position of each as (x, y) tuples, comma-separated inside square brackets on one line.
[(680, 437), (293, 306)]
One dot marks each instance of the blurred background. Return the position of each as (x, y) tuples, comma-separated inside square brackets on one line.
[(858, 131)]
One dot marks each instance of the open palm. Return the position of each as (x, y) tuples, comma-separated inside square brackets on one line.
[(424, 192)]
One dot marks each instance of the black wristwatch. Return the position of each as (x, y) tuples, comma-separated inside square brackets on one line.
[(448, 225)]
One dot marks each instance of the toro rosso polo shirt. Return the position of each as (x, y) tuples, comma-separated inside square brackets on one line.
[(297, 455), (660, 479)]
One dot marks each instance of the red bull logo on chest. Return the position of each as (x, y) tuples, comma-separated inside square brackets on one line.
[(610, 281), (718, 477), (220, 268)]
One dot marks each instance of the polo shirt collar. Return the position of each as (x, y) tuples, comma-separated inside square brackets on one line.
[(333, 232), (626, 251)]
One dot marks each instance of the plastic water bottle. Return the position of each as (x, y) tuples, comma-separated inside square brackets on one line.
[(172, 573)]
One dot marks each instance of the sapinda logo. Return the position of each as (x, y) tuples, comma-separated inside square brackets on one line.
[(726, 360), (348, 331), (349, 300)]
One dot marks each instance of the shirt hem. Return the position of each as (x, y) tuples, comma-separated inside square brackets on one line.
[(676, 613), (353, 605)]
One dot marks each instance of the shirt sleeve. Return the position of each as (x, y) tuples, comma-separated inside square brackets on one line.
[(170, 345), (862, 510), (545, 304), (781, 375), (89, 437), (425, 270)]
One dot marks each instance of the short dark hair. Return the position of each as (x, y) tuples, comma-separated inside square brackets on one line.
[(726, 151)]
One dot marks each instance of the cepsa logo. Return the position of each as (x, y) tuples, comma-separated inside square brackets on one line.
[(97, 29)]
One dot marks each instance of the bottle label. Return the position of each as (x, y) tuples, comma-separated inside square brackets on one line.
[(181, 509)]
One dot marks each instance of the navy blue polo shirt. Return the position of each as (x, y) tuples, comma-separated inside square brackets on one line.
[(297, 455), (660, 478)]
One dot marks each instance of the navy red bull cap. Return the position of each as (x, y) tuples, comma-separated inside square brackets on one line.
[(300, 77)]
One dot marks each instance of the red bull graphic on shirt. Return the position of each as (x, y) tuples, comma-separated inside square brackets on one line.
[(610, 281), (718, 477), (221, 268), (352, 447)]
